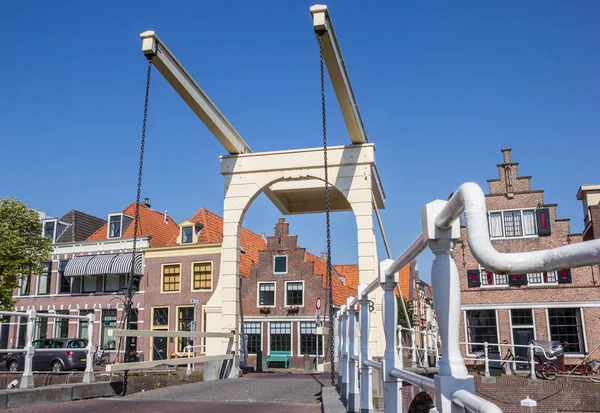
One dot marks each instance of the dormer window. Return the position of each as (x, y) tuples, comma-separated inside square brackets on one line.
[(50, 229), (187, 235), (114, 226)]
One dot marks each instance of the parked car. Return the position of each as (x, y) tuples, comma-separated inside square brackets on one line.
[(69, 354)]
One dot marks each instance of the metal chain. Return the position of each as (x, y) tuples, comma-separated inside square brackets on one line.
[(130, 292), (327, 220)]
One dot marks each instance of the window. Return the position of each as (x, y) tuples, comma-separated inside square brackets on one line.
[(84, 324), (481, 327), (266, 294), (185, 322), (253, 337), (25, 285), (22, 333), (542, 278), (565, 325), (489, 278), (510, 224), (281, 336), (61, 325), (88, 284), (186, 235), (280, 264), (109, 322), (294, 293), (41, 327), (160, 318), (44, 279), (49, 227), (521, 317), (202, 277), (170, 280), (114, 226), (111, 282), (64, 285), (308, 339)]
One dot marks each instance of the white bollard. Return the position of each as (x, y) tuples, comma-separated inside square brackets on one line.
[(188, 371), (88, 375), (366, 375), (392, 395), (352, 405), (27, 380), (528, 405)]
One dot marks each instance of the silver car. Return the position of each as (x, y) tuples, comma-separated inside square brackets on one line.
[(69, 354)]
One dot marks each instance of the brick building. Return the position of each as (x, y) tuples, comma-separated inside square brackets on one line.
[(280, 294), (589, 195), (558, 305), (180, 278), (87, 271)]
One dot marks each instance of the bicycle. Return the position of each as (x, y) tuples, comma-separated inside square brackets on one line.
[(590, 368), (101, 358), (522, 366)]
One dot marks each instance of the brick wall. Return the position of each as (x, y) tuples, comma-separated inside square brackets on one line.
[(282, 244), (511, 192)]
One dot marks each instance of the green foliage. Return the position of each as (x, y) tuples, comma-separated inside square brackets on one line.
[(410, 309), (23, 249)]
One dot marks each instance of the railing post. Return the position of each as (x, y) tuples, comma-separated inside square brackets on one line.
[(435, 348), (188, 371), (392, 387), (88, 375), (453, 373), (27, 380), (532, 362), (366, 375), (487, 361), (400, 347), (413, 346), (352, 370), (343, 379)]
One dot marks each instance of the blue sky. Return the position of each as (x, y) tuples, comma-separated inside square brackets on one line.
[(441, 86)]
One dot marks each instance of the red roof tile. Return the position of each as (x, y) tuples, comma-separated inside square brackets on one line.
[(340, 291), (151, 223), (212, 232), (350, 274)]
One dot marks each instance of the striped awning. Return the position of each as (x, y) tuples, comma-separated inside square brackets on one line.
[(94, 265)]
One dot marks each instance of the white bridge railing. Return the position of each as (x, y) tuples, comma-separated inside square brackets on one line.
[(29, 351), (453, 386)]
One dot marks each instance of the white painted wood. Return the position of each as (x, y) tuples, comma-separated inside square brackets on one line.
[(159, 333), (111, 368)]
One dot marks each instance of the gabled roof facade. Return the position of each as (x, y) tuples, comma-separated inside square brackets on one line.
[(154, 224)]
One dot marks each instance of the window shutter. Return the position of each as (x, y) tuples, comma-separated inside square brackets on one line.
[(517, 279), (543, 221), (564, 276), (473, 277)]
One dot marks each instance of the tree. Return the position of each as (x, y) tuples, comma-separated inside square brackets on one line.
[(23, 249)]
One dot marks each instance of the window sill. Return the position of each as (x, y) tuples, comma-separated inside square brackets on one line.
[(510, 238)]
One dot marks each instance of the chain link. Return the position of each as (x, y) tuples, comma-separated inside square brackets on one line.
[(329, 307), (130, 292)]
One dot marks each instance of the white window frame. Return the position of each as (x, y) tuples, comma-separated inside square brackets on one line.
[(48, 281), (502, 211), (95, 290), (299, 344), (467, 348), (55, 225), (285, 293), (583, 331), (495, 285), (260, 324), (120, 227), (192, 234), (286, 264), (274, 294), (533, 284), (291, 336)]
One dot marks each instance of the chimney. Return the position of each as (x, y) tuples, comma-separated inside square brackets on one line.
[(146, 202), (324, 256), (281, 221), (264, 237), (165, 217), (506, 154)]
